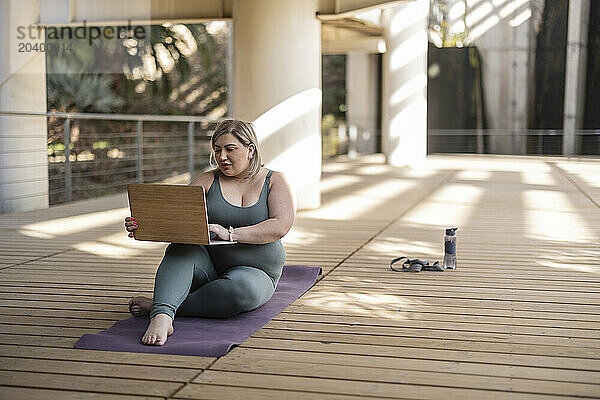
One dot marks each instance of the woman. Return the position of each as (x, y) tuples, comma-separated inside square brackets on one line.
[(246, 203)]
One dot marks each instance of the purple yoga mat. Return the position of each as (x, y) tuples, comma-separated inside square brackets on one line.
[(206, 337)]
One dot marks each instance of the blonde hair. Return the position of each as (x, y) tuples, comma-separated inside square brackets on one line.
[(242, 131)]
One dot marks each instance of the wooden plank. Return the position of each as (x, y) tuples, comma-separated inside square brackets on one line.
[(114, 357), (53, 273), (341, 275), (464, 293), (218, 392), (527, 318), (21, 393), (66, 305), (350, 387), (60, 322), (508, 336), (101, 315), (428, 343), (107, 287), (103, 369), (19, 339), (442, 354), (382, 267), (46, 330), (67, 286), (337, 363), (465, 266), (48, 265), (88, 383), (79, 279), (75, 290), (385, 301), (66, 298), (401, 370), (457, 324)]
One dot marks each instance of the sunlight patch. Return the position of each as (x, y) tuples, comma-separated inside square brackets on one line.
[(368, 304), (544, 219), (78, 223), (570, 267)]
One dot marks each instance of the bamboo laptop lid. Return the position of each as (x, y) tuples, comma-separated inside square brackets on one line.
[(170, 213)]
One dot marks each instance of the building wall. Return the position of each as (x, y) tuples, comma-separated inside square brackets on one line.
[(503, 31), (23, 148), (361, 94)]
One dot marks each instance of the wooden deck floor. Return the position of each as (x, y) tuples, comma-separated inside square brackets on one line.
[(518, 319)]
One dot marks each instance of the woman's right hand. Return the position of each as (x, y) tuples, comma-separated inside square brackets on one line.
[(130, 225)]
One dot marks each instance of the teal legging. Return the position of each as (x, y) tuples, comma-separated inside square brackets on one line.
[(188, 285)]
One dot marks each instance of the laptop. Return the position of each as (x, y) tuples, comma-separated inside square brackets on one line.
[(170, 213)]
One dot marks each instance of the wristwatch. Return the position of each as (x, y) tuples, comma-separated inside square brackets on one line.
[(231, 232)]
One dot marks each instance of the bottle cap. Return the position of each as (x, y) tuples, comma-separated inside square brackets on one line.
[(451, 231)]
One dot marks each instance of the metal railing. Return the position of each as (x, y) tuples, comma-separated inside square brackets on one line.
[(90, 155), (97, 154), (540, 142), (350, 139)]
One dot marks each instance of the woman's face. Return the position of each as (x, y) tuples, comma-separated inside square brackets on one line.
[(231, 155)]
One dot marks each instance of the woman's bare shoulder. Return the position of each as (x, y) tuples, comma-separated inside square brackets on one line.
[(277, 174), (281, 193), (278, 178), (205, 179)]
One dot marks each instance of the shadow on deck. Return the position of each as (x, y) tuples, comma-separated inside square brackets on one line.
[(518, 319)]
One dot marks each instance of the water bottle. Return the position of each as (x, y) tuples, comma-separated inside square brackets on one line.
[(450, 249)]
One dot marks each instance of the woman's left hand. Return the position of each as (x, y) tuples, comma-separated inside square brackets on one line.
[(221, 232)]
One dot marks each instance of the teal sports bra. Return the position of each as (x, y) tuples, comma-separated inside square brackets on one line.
[(221, 212), (268, 257)]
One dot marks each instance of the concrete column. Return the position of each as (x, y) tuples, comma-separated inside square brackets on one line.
[(575, 70), (404, 105), (23, 140), (361, 99), (277, 84), (503, 39)]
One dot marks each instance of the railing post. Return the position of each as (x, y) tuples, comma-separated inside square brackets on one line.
[(352, 139), (342, 145), (140, 152), (479, 141), (540, 145), (191, 149), (67, 151)]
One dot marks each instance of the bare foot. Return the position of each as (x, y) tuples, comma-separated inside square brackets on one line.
[(161, 326), (140, 305)]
